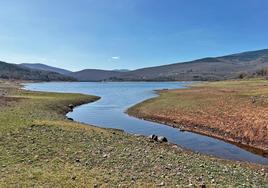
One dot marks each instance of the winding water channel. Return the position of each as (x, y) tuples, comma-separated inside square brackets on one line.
[(117, 97)]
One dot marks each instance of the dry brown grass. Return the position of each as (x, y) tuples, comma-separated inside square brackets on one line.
[(231, 110)]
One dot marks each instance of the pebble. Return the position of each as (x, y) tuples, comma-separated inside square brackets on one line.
[(162, 183), (74, 177)]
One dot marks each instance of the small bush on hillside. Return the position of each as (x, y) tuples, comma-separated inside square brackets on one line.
[(262, 72), (242, 75)]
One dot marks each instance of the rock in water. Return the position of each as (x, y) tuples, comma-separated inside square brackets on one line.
[(162, 139)]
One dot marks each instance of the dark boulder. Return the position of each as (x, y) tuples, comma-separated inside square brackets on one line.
[(153, 137), (71, 119), (71, 106)]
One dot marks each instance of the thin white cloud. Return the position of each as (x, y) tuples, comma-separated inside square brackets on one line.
[(116, 57)]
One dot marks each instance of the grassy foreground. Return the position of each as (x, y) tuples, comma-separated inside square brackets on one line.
[(236, 111), (39, 147)]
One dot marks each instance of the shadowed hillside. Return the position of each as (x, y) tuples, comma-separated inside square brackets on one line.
[(44, 67), (11, 71)]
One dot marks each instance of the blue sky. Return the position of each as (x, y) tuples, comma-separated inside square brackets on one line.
[(128, 34)]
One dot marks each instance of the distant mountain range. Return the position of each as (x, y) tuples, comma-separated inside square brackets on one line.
[(94, 75), (13, 71), (211, 68), (43, 67), (83, 75), (218, 68)]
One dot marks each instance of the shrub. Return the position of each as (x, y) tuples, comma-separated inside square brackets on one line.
[(242, 75), (262, 72)]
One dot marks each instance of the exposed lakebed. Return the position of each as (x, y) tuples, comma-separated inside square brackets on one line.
[(117, 97)]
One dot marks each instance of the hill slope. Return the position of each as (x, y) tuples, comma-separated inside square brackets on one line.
[(94, 75), (12, 71), (219, 68), (83, 75), (39, 66)]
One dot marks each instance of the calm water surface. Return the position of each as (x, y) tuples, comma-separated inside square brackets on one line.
[(116, 98)]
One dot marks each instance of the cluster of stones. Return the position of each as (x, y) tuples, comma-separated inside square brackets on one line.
[(158, 138)]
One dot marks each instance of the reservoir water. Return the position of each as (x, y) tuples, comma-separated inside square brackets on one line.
[(117, 97)]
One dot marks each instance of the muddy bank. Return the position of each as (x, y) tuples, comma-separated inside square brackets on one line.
[(204, 131), (223, 110)]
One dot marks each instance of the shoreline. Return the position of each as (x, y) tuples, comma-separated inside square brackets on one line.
[(80, 103), (136, 111), (40, 147), (251, 149)]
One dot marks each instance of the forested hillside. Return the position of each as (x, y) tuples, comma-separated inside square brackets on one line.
[(12, 71)]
